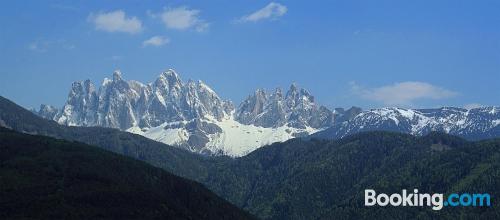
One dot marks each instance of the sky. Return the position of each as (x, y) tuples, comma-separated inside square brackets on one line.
[(416, 54)]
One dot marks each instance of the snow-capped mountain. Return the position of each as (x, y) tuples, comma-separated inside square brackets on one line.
[(125, 104), (473, 124), (190, 114)]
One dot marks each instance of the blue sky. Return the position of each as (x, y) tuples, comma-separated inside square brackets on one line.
[(363, 53)]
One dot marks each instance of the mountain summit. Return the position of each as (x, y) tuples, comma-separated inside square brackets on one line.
[(472, 124), (296, 109), (125, 104), (190, 114)]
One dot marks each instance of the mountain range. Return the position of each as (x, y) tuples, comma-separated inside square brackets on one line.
[(472, 124), (300, 178), (190, 115)]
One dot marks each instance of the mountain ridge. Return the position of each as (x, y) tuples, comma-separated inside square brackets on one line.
[(472, 124), (191, 116), (312, 178), (321, 179), (47, 178), (158, 154)]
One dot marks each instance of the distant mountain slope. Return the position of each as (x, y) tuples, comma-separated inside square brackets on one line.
[(175, 160), (326, 179), (472, 124), (42, 177)]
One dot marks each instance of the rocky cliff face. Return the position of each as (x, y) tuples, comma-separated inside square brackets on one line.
[(296, 108), (81, 106), (125, 104), (47, 111), (192, 116)]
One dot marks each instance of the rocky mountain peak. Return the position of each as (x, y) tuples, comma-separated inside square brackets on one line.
[(47, 111), (298, 96), (278, 93), (80, 88), (124, 104), (293, 88), (477, 123), (169, 108), (117, 75), (296, 109), (170, 79)]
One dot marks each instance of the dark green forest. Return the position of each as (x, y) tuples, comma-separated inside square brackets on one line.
[(326, 179), (45, 178)]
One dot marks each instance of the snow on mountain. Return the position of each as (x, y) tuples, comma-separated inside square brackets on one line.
[(226, 136), (477, 123), (190, 115)]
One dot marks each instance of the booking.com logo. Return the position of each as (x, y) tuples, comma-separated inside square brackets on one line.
[(436, 200)]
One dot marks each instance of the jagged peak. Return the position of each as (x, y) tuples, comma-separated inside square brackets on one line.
[(47, 107), (278, 92), (305, 92), (82, 86), (295, 94), (76, 85), (260, 93), (171, 74), (117, 75), (169, 78), (205, 87), (293, 91)]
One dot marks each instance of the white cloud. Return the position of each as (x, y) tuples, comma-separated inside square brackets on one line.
[(473, 105), (156, 41), (38, 46), (116, 57), (183, 18), (46, 45), (271, 11), (402, 93), (116, 21)]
